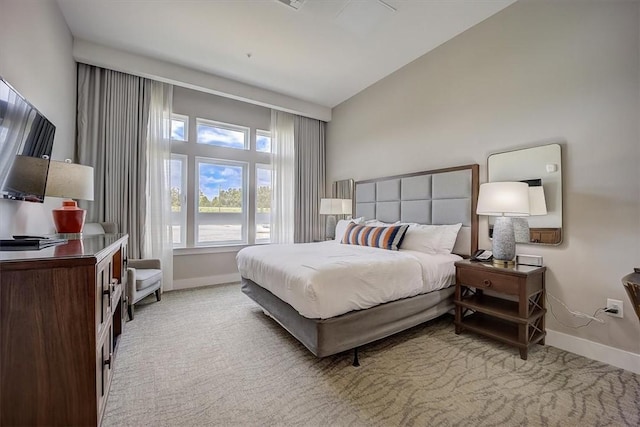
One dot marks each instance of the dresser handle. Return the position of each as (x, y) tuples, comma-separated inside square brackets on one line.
[(487, 282), (108, 361), (108, 290)]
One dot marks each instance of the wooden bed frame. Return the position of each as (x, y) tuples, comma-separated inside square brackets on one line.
[(404, 197)]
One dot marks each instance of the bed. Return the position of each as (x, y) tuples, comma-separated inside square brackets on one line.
[(355, 312)]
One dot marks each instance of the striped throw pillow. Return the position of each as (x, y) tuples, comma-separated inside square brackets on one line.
[(377, 237)]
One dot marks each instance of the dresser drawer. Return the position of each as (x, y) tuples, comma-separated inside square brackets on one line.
[(104, 364), (104, 290), (488, 280)]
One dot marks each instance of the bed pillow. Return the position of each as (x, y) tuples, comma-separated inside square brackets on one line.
[(341, 226), (377, 223), (377, 237), (431, 239)]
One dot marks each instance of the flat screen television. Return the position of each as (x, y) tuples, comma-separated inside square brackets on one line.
[(26, 141)]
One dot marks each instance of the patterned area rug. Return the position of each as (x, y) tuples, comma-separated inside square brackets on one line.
[(209, 356)]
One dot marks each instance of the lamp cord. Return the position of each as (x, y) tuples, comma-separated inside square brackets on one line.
[(575, 313)]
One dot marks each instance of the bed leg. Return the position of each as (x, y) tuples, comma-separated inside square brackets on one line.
[(355, 357)]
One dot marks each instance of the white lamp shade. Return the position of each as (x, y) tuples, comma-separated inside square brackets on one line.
[(335, 206), (537, 204), (503, 199), (70, 180)]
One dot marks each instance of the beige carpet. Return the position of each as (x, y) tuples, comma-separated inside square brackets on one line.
[(210, 356)]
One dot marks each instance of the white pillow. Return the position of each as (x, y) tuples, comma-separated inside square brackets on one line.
[(431, 239), (342, 225), (376, 223)]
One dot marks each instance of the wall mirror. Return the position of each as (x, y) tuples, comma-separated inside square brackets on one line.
[(541, 168)]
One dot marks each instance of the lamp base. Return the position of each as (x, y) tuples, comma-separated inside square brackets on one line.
[(69, 218), (503, 263), (504, 242), (330, 227)]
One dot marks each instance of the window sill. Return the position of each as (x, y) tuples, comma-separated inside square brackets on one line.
[(213, 249), (207, 250)]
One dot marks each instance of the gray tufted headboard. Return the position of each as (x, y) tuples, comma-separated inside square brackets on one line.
[(442, 196)]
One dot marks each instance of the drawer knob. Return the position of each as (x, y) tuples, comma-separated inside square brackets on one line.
[(108, 361), (487, 282)]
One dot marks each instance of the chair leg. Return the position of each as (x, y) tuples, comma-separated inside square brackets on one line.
[(130, 310), (158, 295)]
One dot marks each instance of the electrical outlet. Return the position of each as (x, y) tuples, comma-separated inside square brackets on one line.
[(614, 303)]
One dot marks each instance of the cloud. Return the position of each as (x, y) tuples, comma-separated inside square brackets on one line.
[(221, 137), (231, 172), (210, 180)]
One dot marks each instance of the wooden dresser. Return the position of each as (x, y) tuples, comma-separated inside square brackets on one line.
[(61, 317)]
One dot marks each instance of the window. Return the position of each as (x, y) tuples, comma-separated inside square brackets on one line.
[(263, 203), (263, 141), (221, 214), (179, 199), (179, 127), (222, 134), (220, 184)]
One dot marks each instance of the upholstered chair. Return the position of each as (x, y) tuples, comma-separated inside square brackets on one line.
[(144, 276)]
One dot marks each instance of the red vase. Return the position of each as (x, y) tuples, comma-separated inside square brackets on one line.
[(69, 218)]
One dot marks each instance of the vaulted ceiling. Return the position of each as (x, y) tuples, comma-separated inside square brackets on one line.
[(320, 51)]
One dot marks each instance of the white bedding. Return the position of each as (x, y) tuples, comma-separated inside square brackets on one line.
[(326, 279)]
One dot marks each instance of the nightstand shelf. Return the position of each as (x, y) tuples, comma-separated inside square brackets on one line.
[(498, 307), (500, 330), (513, 309)]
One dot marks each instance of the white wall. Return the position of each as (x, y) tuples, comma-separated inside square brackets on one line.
[(36, 59), (535, 73)]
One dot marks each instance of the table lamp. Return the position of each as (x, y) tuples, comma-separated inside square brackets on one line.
[(70, 181), (333, 207), (503, 200)]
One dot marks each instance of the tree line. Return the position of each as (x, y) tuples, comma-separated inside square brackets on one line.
[(231, 198)]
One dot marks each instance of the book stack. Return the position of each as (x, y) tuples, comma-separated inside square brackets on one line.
[(30, 242)]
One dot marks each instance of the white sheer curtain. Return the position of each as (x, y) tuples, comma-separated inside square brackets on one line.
[(282, 196), (158, 232)]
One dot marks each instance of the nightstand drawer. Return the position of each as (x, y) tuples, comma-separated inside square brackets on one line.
[(487, 280)]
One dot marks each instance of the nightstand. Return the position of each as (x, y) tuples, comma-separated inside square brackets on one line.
[(512, 312)]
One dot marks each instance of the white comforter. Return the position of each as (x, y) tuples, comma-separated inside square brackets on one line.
[(326, 279)]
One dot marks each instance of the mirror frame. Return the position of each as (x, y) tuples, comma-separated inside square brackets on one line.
[(542, 232)]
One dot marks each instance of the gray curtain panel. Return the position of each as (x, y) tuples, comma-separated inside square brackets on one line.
[(112, 118), (309, 141)]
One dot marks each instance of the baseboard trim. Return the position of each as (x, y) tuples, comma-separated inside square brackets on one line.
[(197, 282), (602, 353)]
